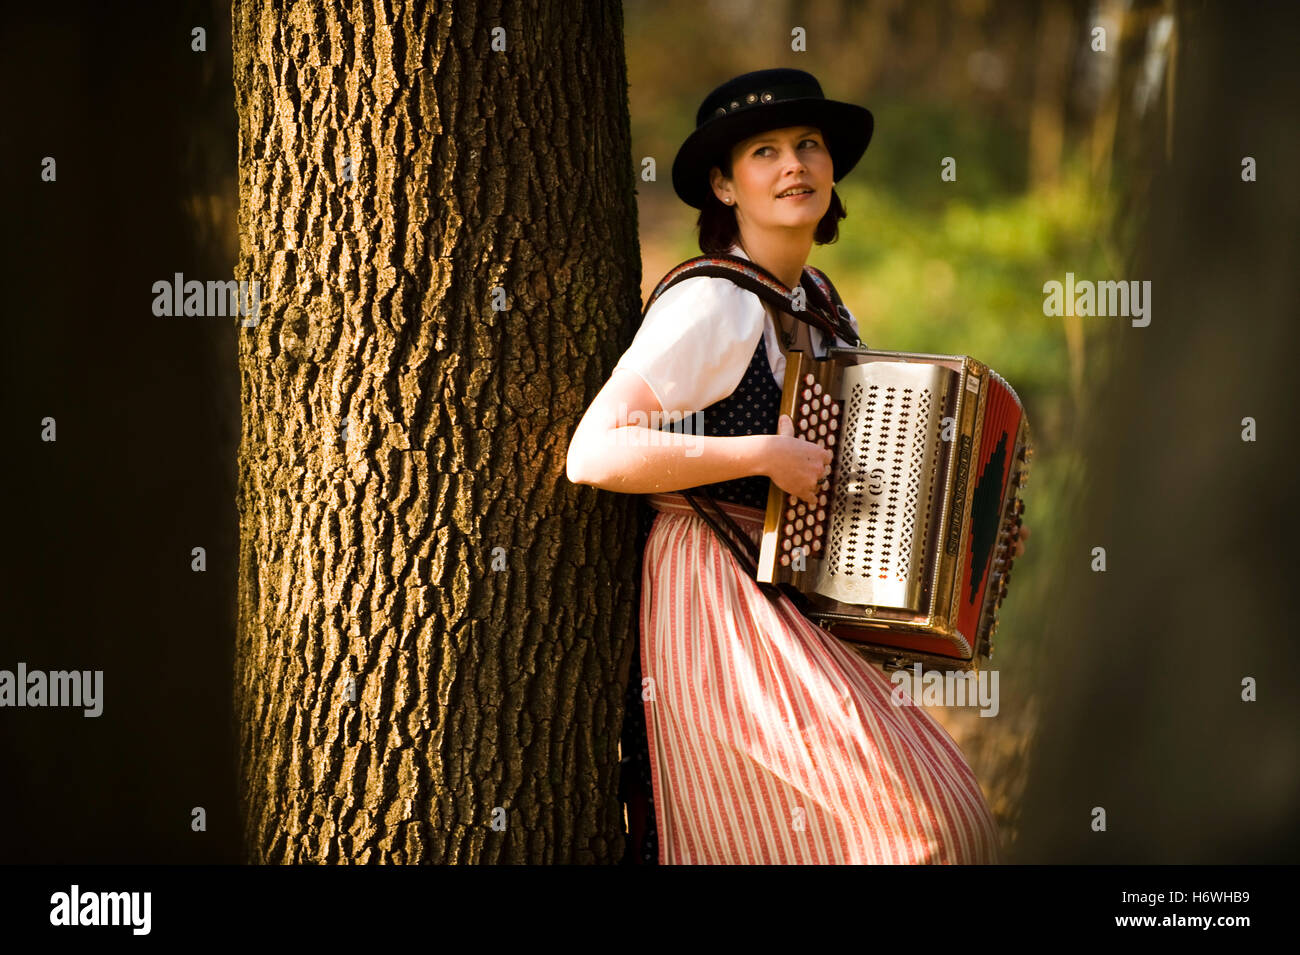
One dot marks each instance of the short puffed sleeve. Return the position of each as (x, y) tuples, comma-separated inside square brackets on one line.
[(696, 342)]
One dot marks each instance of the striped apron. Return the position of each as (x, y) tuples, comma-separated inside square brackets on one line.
[(770, 741)]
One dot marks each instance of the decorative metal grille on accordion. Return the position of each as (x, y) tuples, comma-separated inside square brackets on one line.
[(907, 554)]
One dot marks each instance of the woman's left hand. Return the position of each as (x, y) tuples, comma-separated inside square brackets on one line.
[(1020, 539)]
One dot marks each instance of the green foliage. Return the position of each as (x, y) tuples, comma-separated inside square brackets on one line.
[(959, 267)]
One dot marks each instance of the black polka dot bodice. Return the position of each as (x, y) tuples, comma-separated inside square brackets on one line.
[(753, 408)]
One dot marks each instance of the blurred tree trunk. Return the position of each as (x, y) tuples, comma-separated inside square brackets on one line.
[(1054, 41), (1147, 717), (422, 675), (1101, 139)]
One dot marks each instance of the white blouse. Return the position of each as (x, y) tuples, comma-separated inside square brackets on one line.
[(698, 338)]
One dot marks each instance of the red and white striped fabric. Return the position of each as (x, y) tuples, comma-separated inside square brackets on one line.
[(770, 742)]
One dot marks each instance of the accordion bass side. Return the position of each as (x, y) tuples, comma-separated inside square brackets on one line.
[(907, 555)]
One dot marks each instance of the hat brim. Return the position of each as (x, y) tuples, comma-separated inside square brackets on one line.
[(847, 129)]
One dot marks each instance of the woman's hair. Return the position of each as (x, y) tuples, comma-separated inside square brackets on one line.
[(717, 223)]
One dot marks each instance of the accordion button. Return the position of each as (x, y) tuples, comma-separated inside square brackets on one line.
[(830, 438), (785, 560), (821, 429), (790, 498), (804, 409), (785, 544), (789, 515), (821, 515), (817, 545), (835, 408), (817, 388), (826, 414), (808, 379), (807, 394), (821, 499), (802, 509)]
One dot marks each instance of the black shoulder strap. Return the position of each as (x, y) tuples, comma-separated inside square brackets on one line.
[(819, 278), (823, 310), (741, 547)]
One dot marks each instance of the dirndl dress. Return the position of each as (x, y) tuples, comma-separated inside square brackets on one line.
[(763, 737)]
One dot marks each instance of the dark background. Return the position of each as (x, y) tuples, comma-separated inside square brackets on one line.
[(97, 568)]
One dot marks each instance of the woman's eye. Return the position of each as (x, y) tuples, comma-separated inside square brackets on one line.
[(760, 149)]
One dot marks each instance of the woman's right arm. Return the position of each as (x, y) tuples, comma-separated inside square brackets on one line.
[(610, 453)]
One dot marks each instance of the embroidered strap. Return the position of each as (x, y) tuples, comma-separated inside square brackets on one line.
[(828, 290), (824, 310)]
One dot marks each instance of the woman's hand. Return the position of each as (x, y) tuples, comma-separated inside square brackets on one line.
[(797, 466)]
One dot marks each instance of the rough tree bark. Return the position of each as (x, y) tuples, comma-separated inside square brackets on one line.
[(397, 430)]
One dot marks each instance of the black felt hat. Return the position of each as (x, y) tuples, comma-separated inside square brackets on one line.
[(759, 101)]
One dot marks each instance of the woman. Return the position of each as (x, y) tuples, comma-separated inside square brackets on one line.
[(769, 741)]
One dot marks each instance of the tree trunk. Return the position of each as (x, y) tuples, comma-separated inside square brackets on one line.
[(402, 437), (1148, 716), (1051, 74)]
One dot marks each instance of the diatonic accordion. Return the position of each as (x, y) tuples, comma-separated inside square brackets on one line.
[(907, 555)]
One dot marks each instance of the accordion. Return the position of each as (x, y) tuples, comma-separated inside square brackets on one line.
[(907, 554)]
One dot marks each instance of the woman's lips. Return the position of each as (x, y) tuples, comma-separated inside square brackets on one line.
[(801, 195)]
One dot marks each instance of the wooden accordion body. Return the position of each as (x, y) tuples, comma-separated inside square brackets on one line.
[(908, 554)]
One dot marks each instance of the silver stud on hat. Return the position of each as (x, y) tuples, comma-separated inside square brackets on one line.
[(750, 99)]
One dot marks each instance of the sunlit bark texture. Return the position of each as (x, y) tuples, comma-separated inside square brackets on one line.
[(399, 697)]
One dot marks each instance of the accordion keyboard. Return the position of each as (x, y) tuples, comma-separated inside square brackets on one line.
[(816, 418)]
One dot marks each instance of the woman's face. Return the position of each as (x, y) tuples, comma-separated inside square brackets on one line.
[(767, 165)]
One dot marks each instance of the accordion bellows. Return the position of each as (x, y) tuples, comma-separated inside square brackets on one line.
[(907, 554)]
